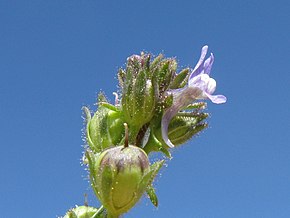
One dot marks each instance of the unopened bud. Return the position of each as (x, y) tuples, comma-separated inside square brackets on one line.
[(81, 212), (105, 129), (139, 92)]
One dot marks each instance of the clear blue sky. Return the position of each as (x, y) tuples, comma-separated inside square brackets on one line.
[(55, 55)]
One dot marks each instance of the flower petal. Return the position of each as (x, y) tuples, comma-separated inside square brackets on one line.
[(201, 81), (211, 86), (183, 99), (208, 64), (217, 99), (199, 66), (168, 115)]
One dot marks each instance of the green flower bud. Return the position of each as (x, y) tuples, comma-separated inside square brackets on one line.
[(105, 128), (139, 101), (181, 129), (119, 176), (140, 93), (165, 72), (81, 212)]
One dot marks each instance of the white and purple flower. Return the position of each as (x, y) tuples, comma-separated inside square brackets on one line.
[(200, 86)]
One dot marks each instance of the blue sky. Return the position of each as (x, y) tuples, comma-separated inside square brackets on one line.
[(56, 55)]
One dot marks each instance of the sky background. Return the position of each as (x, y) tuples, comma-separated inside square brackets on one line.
[(56, 55)]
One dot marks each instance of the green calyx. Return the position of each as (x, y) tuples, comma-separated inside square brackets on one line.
[(120, 176), (82, 212), (105, 128), (144, 83), (139, 93), (181, 129)]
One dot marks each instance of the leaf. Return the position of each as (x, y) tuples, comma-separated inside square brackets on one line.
[(152, 195), (155, 168), (180, 79), (109, 106)]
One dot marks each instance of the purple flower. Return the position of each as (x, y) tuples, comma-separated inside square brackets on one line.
[(200, 86)]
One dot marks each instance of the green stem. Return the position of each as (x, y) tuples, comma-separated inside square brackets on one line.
[(133, 132), (126, 144)]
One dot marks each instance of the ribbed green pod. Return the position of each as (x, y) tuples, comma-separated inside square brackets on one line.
[(120, 176)]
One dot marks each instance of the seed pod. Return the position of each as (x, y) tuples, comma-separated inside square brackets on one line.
[(119, 176)]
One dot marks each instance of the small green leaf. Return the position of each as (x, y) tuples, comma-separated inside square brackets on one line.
[(156, 167), (121, 77), (109, 106), (152, 195), (156, 62), (197, 105), (102, 97), (180, 79)]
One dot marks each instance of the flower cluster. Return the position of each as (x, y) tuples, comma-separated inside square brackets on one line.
[(159, 109)]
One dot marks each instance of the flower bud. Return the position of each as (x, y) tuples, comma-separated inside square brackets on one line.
[(139, 101), (119, 177), (105, 129), (140, 95), (180, 129), (165, 72), (81, 212)]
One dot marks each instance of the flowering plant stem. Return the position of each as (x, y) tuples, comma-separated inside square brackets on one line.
[(159, 105), (134, 130)]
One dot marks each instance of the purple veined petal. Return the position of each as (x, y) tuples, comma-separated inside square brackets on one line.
[(199, 66), (217, 99), (202, 57), (208, 64)]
